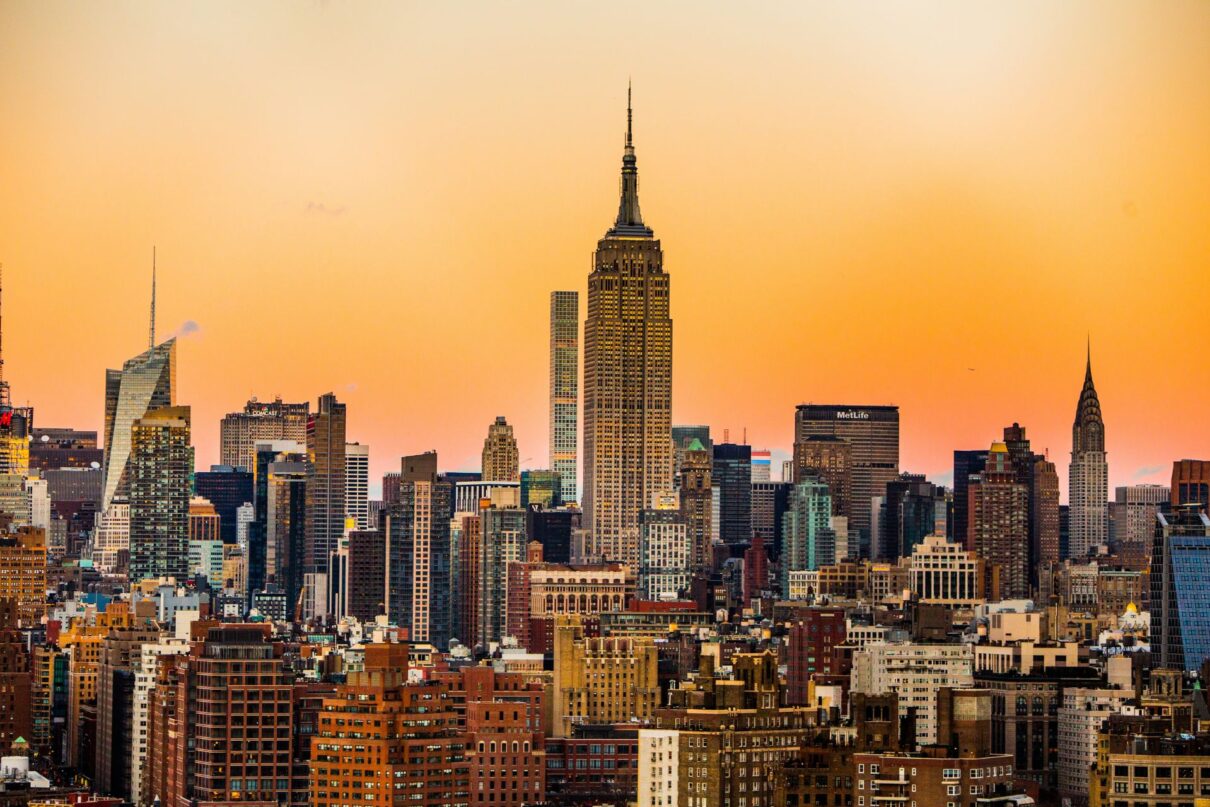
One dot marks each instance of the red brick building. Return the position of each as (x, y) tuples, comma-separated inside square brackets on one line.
[(813, 636)]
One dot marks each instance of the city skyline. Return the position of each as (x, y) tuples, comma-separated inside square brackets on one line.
[(822, 223)]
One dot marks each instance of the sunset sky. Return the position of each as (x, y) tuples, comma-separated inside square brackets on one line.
[(925, 204)]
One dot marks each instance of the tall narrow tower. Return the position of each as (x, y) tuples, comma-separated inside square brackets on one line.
[(564, 389), (1088, 474), (627, 375)]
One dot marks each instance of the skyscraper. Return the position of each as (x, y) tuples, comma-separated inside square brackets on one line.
[(873, 433), (1088, 474), (325, 481), (627, 376), (161, 460), (1180, 566), (239, 432), (1135, 507), (227, 488), (732, 477), (16, 424), (998, 508), (808, 540), (565, 388), (501, 461), (148, 381), (831, 460), (1191, 483), (357, 484), (697, 504)]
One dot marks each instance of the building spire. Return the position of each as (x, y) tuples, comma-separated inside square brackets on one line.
[(151, 329), (1088, 360), (630, 220)]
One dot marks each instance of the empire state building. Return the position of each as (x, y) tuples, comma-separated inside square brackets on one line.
[(627, 376)]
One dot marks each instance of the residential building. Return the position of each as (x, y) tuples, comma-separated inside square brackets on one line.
[(160, 463), (325, 481), (564, 432), (357, 484), (601, 680), (914, 673)]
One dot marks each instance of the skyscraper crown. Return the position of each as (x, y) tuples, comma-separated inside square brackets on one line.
[(630, 220), (1088, 430)]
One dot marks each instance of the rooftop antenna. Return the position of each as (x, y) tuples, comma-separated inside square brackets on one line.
[(151, 330)]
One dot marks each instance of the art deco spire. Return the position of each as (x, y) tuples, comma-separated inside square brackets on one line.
[(630, 220), (1088, 430)]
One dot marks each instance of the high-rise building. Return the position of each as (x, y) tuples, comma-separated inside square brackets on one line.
[(697, 503), (602, 680), (501, 460), (367, 573), (160, 462), (205, 541), (873, 433), (555, 530), (565, 389), (417, 531), (731, 475), (115, 708), (23, 573), (409, 730), (912, 508), (627, 376), (146, 382), (946, 573), (808, 540), (502, 541), (1133, 525), (664, 552), (762, 465), (16, 683), (286, 525), (357, 484), (267, 452), (998, 509), (541, 488), (1191, 483), (682, 438), (54, 448), (227, 488), (261, 421), (325, 481), (829, 459), (1088, 474), (16, 425), (1044, 511), (915, 672), (769, 503), (966, 464), (1180, 567)]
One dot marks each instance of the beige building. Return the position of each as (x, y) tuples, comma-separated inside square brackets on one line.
[(261, 421), (602, 680), (628, 452), (501, 460), (914, 673), (1025, 657), (946, 573)]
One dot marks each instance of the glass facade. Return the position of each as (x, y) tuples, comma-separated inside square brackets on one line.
[(148, 381)]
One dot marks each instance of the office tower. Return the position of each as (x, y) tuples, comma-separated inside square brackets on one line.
[(357, 484), (600, 680), (23, 573), (998, 509), (501, 460), (966, 464), (227, 488), (325, 481), (266, 453), (233, 722), (205, 541), (160, 462), (565, 389), (409, 730), (627, 376), (808, 540), (501, 541), (697, 503), (541, 488), (762, 465), (16, 684), (1180, 567), (911, 509), (261, 421), (555, 530), (144, 665), (54, 448), (115, 708), (286, 525), (946, 573), (1044, 547), (830, 459), (682, 438), (1088, 474), (873, 434), (731, 476), (146, 382), (1135, 507), (1191, 483), (111, 539), (664, 551), (417, 533), (367, 573), (769, 503)]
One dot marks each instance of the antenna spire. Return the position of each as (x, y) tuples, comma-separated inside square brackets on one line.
[(629, 118), (151, 330)]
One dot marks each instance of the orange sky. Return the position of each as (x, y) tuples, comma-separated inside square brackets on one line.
[(927, 204)]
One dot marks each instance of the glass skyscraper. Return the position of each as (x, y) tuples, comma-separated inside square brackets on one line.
[(148, 381), (565, 389), (1180, 599)]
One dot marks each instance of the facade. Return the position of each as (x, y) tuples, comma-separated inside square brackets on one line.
[(600, 680), (111, 539), (814, 634), (325, 481), (912, 508), (770, 500), (731, 476), (829, 459), (873, 434), (502, 542), (366, 575), (946, 573), (998, 507), (205, 541), (501, 460), (115, 708), (697, 503), (228, 489), (915, 673), (967, 463), (146, 382), (285, 524), (1081, 714), (261, 421), (627, 377), (664, 554), (1088, 475), (357, 484), (542, 488), (1180, 602), (1191, 483), (160, 462), (565, 390), (1133, 527), (23, 557)]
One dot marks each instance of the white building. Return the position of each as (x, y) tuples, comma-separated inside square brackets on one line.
[(357, 484), (659, 768), (1080, 717), (144, 668), (663, 554), (946, 573), (914, 672), (206, 557), (111, 536)]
